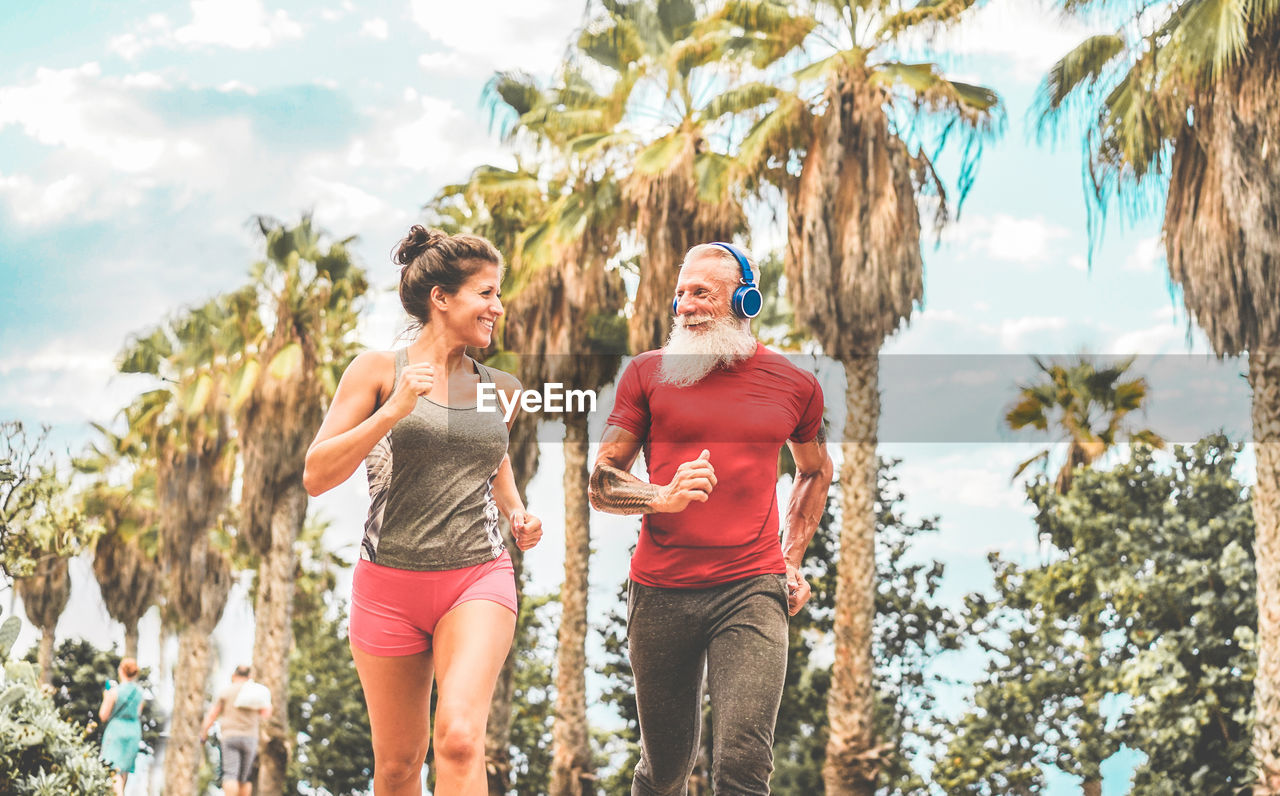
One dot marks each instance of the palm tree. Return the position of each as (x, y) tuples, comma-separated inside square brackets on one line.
[(308, 293), (1178, 105), (1088, 404), (666, 126), (124, 555), (44, 594), (51, 530), (564, 325), (1090, 407), (184, 426), (853, 262)]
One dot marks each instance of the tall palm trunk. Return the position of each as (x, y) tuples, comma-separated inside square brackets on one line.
[(853, 759), (183, 751), (523, 450), (571, 756), (1264, 377), (273, 632), (131, 641), (44, 597)]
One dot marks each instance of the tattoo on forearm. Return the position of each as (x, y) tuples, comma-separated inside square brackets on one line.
[(618, 492)]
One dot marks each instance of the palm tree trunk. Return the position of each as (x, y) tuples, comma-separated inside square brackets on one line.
[(273, 634), (44, 658), (852, 756), (571, 757), (1264, 377), (497, 737), (183, 751), (44, 597), (131, 641), (523, 450)]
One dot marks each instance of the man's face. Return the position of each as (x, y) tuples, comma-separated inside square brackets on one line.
[(702, 294)]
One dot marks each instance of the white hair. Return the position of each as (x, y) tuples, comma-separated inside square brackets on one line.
[(733, 273)]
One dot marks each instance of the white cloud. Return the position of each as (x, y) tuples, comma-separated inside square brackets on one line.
[(1078, 262), (1145, 256), (77, 110), (498, 34), (449, 63), (236, 24), (106, 150), (1014, 332), (35, 204), (1027, 241), (1033, 34), (428, 135), (375, 28)]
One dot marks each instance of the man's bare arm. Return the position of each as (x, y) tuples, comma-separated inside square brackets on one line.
[(617, 491), (614, 490), (814, 471), (804, 512)]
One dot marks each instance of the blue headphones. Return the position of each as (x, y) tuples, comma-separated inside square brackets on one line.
[(747, 300)]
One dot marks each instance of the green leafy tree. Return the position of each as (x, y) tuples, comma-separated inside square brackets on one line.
[(533, 699), (1090, 406), (1178, 112), (1166, 550), (36, 521), (41, 753), (39, 530)]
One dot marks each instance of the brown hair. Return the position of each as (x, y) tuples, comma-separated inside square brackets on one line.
[(429, 259), (129, 668), (242, 670)]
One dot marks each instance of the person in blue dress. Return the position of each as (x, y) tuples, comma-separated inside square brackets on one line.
[(121, 704)]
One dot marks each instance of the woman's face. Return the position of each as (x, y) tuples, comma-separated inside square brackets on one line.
[(472, 312)]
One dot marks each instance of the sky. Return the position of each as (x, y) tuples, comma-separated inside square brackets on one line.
[(138, 140)]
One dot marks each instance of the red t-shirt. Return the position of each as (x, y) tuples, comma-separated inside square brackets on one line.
[(742, 415)]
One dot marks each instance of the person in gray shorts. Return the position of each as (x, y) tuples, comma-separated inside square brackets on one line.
[(239, 728), (711, 586)]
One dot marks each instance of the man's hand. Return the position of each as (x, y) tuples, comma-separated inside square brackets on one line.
[(526, 528), (693, 482), (797, 590)]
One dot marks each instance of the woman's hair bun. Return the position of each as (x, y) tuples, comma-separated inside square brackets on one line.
[(416, 242)]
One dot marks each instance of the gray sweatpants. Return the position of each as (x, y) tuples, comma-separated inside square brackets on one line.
[(737, 633)]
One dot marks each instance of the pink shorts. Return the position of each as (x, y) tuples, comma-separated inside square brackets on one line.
[(395, 611)]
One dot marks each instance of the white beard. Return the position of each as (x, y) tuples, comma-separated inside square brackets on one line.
[(689, 356)]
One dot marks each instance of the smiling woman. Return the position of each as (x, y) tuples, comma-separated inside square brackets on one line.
[(433, 566)]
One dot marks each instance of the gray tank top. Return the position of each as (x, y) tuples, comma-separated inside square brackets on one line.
[(431, 487)]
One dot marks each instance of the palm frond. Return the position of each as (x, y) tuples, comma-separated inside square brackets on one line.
[(739, 99), (925, 13)]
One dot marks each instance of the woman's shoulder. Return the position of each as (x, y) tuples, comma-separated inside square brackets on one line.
[(372, 366)]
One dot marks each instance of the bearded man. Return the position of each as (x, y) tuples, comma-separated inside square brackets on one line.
[(712, 582)]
